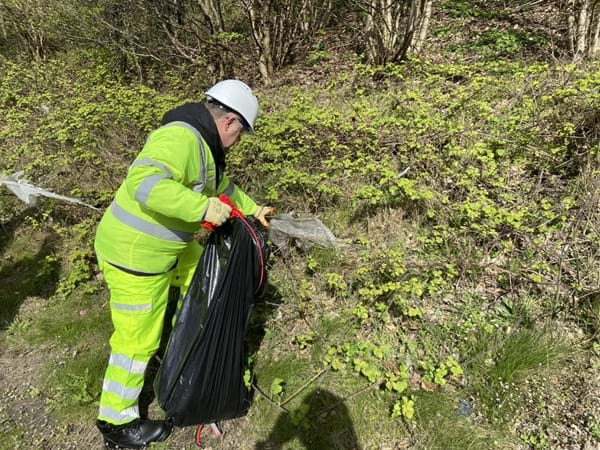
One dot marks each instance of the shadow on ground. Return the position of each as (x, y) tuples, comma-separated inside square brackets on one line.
[(322, 421), (33, 272)]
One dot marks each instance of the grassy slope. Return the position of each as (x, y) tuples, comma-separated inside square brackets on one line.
[(467, 291)]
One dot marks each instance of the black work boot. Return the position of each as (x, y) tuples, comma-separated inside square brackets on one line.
[(136, 434)]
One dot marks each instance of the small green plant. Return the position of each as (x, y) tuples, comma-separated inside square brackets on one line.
[(397, 381), (303, 341), (361, 312), (247, 378), (367, 369), (536, 441), (277, 389), (404, 408), (595, 430), (439, 374), (336, 283), (317, 56), (333, 360), (311, 264)]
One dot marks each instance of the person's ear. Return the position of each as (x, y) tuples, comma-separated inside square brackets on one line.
[(229, 119)]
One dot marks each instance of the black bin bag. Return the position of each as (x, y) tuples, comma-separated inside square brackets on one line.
[(201, 377)]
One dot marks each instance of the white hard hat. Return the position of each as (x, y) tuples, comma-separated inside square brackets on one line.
[(237, 96)]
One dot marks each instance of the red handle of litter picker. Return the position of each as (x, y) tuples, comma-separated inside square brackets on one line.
[(235, 212)]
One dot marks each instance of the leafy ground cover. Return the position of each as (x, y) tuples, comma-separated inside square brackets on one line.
[(462, 310)]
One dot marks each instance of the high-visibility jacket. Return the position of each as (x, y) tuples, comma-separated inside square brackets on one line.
[(161, 203)]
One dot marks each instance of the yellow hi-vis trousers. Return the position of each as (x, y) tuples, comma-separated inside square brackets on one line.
[(137, 307)]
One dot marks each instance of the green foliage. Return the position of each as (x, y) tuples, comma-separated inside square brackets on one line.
[(277, 388), (80, 260), (304, 341), (439, 374), (316, 57), (453, 262), (404, 408), (459, 8), (368, 370), (595, 431), (54, 135), (502, 43), (397, 381)]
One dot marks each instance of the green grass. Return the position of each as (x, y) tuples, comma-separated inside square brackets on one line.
[(73, 329), (502, 364), (81, 320), (336, 411), (73, 385), (443, 426), (29, 266), (12, 438)]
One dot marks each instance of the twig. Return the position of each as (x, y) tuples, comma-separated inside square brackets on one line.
[(304, 386), (348, 397), (269, 398)]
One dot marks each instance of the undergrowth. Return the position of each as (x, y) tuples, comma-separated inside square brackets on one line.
[(466, 195)]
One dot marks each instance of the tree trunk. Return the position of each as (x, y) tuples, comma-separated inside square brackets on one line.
[(261, 32), (212, 12), (424, 28), (594, 48), (394, 27), (571, 25), (583, 23), (211, 9), (279, 26)]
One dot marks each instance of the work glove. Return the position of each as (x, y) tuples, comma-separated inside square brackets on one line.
[(263, 214), (217, 212)]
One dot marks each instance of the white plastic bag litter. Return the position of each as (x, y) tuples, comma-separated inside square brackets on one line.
[(30, 194), (303, 232)]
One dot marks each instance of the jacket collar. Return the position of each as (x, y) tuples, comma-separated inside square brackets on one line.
[(198, 116)]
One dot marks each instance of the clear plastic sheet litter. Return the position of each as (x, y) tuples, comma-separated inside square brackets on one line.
[(287, 231)]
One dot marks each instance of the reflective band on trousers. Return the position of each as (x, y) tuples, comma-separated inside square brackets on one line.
[(149, 228), (202, 174), (124, 392), (119, 417), (125, 362), (126, 307), (143, 190)]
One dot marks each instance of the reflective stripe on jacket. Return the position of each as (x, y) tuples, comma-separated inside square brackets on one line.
[(161, 203)]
